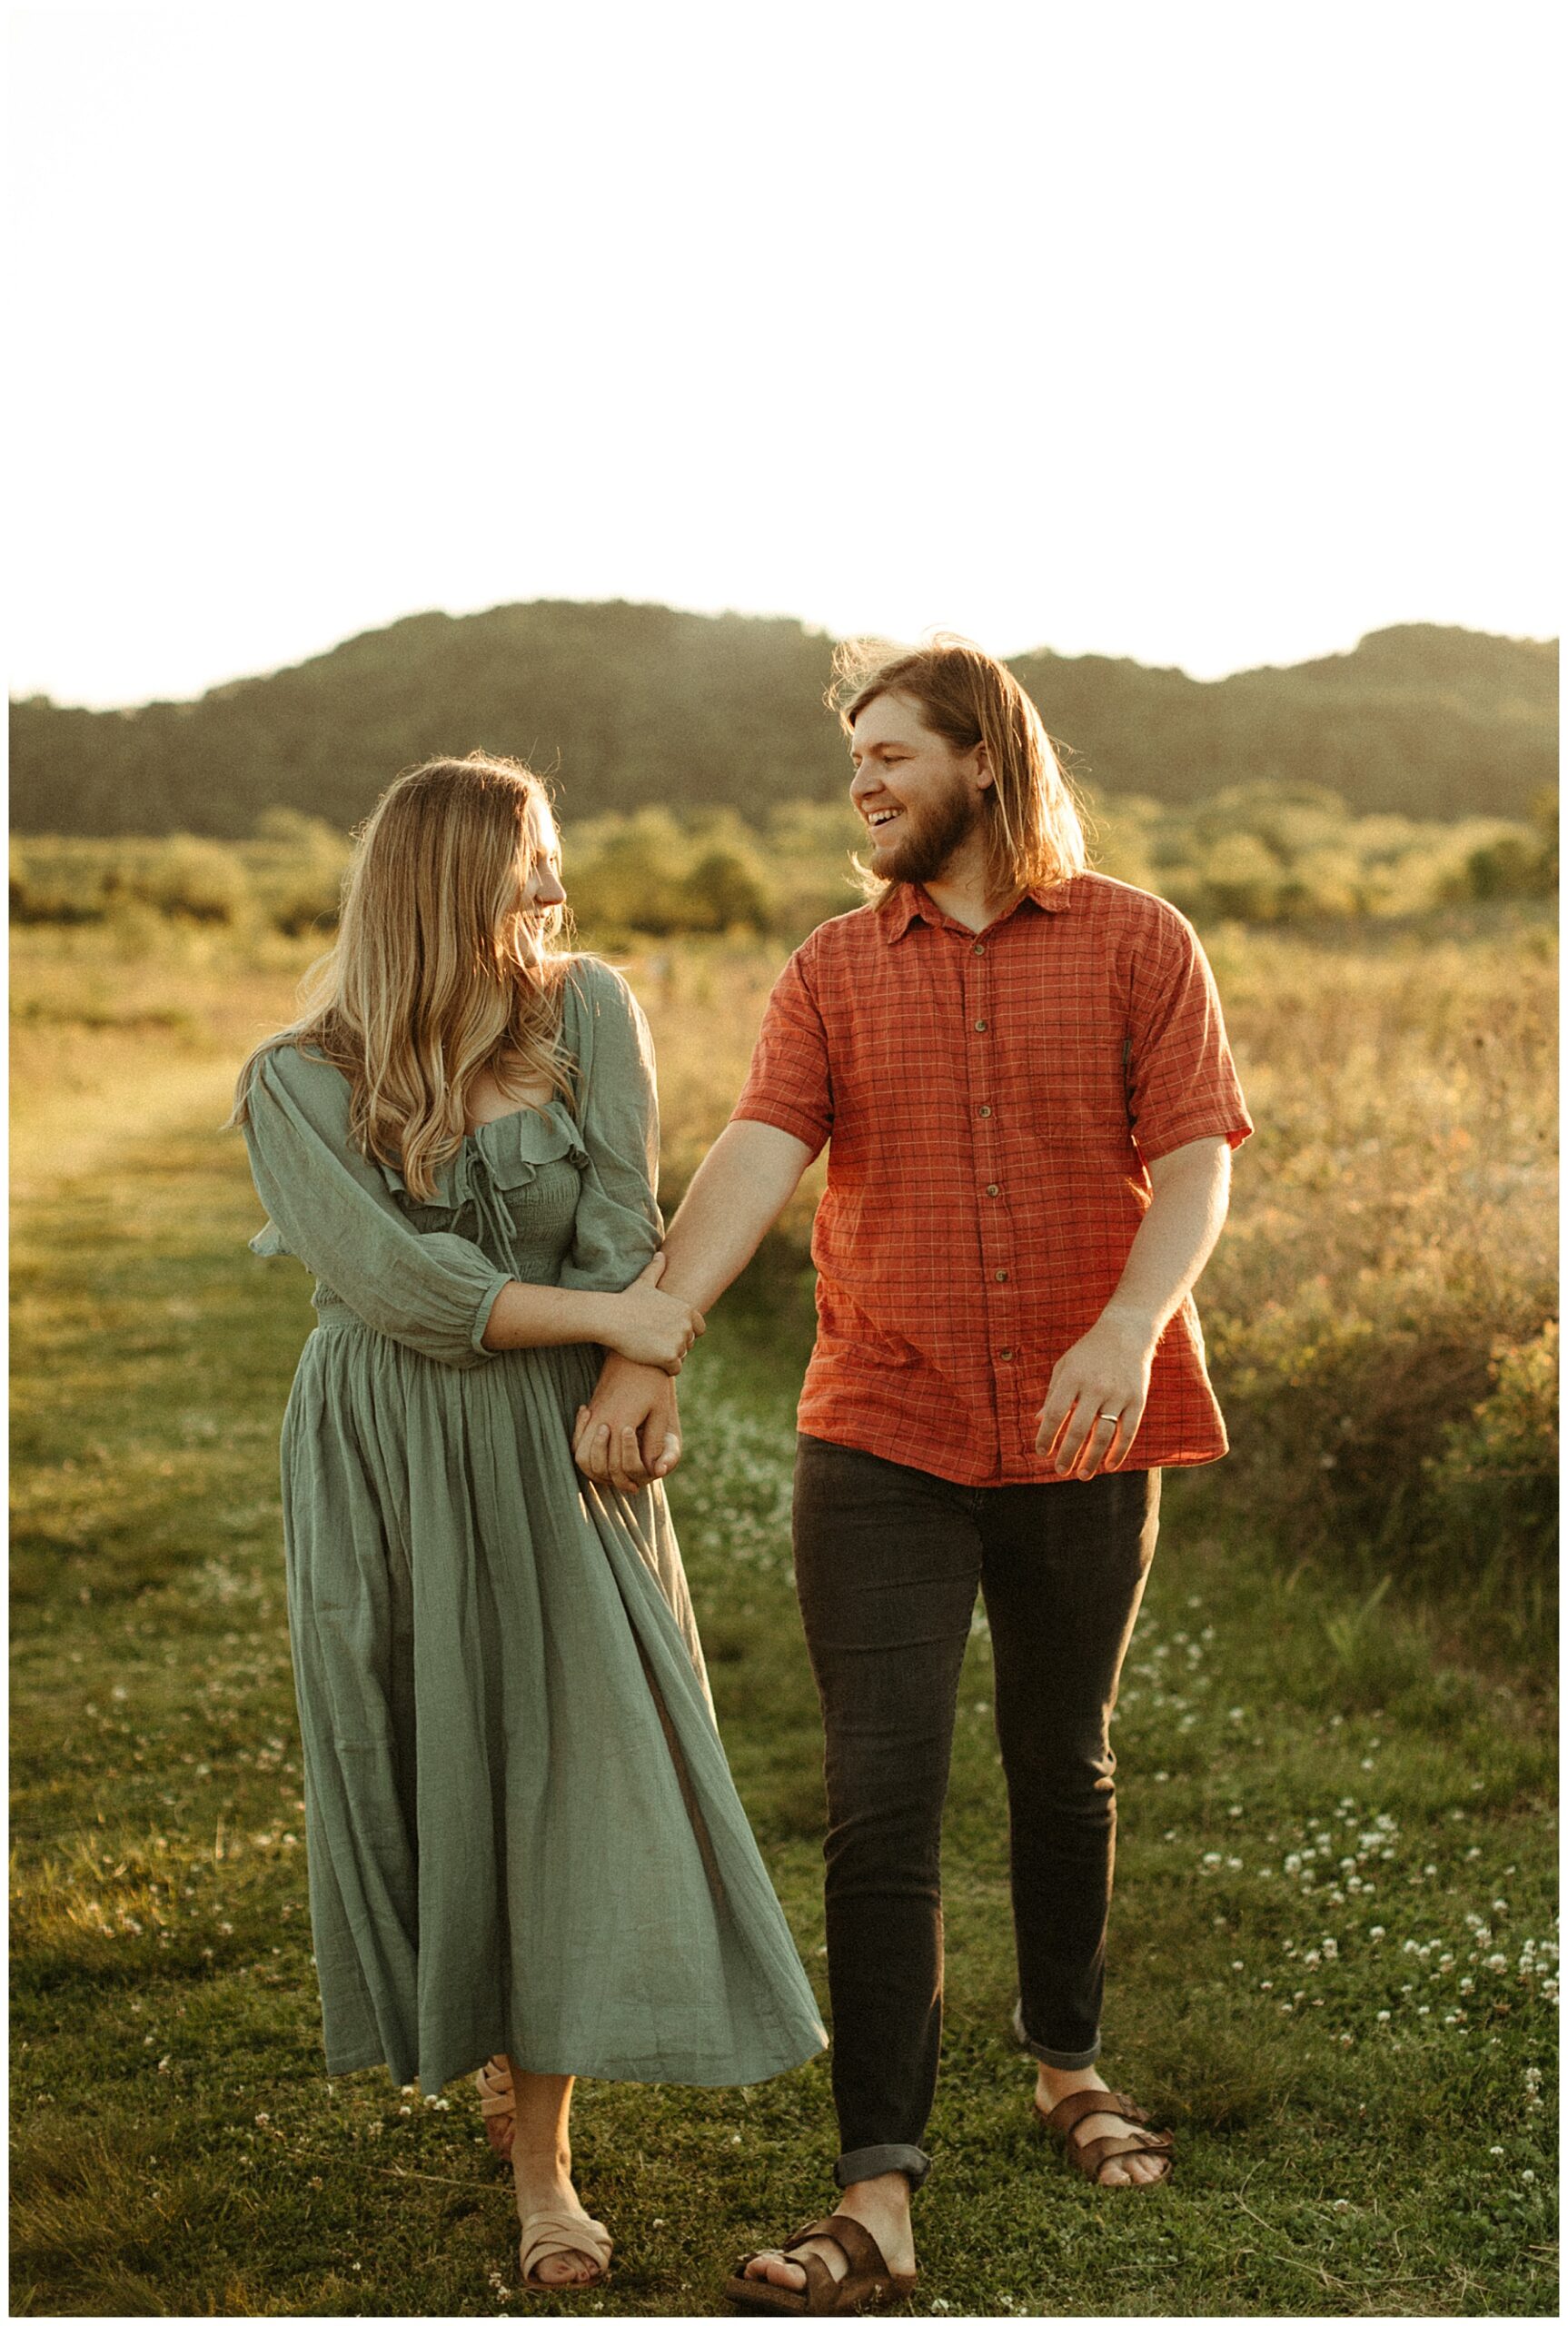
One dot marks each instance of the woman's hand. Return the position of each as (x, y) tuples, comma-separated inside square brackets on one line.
[(631, 1433), (651, 1326)]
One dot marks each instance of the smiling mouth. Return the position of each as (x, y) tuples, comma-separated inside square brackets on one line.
[(879, 822)]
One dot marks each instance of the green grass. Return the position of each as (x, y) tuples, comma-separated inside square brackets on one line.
[(179, 2148)]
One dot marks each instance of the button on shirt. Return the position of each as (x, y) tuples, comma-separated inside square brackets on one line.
[(992, 1104)]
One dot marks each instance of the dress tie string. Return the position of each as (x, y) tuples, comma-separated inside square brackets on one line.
[(497, 1230)]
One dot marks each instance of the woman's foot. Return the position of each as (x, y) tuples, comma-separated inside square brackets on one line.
[(562, 2245), (549, 2209), (496, 2106), (1053, 2085)]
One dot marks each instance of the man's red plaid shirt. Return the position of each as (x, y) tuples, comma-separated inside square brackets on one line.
[(992, 1102)]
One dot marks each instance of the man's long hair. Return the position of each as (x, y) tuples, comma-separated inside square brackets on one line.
[(435, 977), (1034, 832)]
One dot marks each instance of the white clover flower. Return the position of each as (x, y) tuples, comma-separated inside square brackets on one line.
[(1384, 2014), (1377, 1931)]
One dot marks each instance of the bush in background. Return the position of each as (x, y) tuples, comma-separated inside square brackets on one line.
[(1381, 1309), (1496, 1477)]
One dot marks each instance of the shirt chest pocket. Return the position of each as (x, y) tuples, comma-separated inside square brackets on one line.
[(1073, 1083)]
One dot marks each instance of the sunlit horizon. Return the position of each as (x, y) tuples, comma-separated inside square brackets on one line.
[(907, 632)]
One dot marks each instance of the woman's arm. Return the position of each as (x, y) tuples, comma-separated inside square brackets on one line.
[(642, 1326), (631, 1433), (437, 1294)]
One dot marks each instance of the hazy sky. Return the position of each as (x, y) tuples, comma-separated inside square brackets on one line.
[(1210, 334)]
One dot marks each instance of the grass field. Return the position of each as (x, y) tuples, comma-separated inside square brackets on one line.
[(1334, 1958)]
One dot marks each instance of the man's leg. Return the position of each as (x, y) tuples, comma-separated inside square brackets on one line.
[(1065, 1568), (887, 1563)]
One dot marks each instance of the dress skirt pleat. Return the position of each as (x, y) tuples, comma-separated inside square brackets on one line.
[(523, 1836)]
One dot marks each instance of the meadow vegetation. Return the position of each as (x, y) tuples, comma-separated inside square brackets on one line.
[(1334, 1962), (1265, 853)]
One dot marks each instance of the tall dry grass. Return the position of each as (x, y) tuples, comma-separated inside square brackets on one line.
[(1380, 1313)]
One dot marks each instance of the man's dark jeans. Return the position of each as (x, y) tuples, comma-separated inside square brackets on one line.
[(887, 1563)]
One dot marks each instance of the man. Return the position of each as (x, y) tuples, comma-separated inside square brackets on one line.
[(1022, 1071)]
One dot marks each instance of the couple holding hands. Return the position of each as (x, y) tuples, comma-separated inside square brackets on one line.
[(527, 1857)]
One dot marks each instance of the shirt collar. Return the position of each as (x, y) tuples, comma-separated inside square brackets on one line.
[(911, 902)]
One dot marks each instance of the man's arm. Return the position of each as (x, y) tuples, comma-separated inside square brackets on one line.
[(1106, 1373), (631, 1432)]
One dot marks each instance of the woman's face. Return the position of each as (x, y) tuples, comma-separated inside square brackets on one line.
[(543, 893)]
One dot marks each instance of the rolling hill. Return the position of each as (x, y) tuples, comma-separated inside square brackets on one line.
[(629, 705)]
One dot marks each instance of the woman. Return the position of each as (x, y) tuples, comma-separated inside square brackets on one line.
[(525, 1848)]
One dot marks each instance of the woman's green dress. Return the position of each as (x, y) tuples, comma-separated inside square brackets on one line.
[(523, 1832)]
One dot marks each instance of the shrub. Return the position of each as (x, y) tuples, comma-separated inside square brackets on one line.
[(49, 884), (1496, 1477), (188, 880), (297, 865)]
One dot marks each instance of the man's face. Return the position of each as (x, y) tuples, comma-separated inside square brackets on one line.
[(920, 799)]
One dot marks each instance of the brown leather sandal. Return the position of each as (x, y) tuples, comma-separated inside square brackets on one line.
[(1092, 2156), (866, 2279)]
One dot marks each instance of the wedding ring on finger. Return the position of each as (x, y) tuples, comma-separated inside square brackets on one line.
[(1108, 1417)]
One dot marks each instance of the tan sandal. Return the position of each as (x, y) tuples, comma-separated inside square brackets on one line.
[(546, 2234), (1091, 2157), (495, 2102), (868, 2278)]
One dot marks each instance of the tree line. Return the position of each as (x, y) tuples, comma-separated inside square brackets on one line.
[(1262, 853), (638, 707)]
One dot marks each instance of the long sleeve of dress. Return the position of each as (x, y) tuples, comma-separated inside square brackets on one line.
[(333, 1209), (617, 1229)]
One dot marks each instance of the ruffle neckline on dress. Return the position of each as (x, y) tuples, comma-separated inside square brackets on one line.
[(492, 1162), (496, 1159)]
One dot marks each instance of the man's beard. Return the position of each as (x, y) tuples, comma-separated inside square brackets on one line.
[(920, 853)]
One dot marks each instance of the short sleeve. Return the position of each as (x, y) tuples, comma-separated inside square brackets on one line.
[(788, 1084), (618, 1228), (1181, 1079), (331, 1207)]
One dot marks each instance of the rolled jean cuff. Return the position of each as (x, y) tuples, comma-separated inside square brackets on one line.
[(893, 2156), (1043, 2052)]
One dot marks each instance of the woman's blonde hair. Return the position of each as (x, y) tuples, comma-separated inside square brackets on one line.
[(1034, 826), (433, 978)]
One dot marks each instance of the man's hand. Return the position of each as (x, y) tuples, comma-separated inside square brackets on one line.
[(631, 1433), (1096, 1398), (1099, 1388)]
